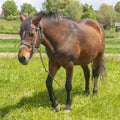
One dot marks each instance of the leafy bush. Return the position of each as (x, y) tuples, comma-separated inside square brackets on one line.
[(2, 27), (9, 26), (10, 18), (110, 34)]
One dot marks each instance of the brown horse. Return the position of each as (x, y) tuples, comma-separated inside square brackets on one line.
[(67, 43)]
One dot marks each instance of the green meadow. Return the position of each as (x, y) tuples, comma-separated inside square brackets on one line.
[(23, 94)]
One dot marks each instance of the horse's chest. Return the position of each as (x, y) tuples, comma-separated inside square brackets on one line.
[(62, 57)]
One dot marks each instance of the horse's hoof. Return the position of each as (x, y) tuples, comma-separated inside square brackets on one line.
[(57, 108), (95, 93), (67, 108), (86, 94)]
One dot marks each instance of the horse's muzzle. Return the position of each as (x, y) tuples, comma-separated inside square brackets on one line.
[(24, 54), (23, 60)]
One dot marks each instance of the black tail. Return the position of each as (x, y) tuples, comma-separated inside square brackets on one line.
[(102, 70)]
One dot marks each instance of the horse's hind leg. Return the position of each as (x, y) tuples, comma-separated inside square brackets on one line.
[(87, 77), (95, 79), (53, 68)]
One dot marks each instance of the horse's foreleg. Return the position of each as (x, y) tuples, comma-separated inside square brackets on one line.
[(52, 71), (68, 85), (87, 77)]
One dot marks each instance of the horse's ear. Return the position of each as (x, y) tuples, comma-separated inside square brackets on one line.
[(36, 20), (22, 17)]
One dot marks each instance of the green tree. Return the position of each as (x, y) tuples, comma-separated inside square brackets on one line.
[(117, 11), (88, 12), (55, 5), (28, 9), (117, 7), (117, 16), (9, 8), (74, 9), (49, 5), (106, 15), (71, 8)]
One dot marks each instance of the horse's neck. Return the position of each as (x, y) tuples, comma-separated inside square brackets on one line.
[(49, 34), (53, 31), (47, 44)]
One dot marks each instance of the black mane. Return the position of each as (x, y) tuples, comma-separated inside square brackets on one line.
[(53, 16), (56, 16)]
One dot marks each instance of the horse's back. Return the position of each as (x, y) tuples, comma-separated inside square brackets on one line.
[(95, 25)]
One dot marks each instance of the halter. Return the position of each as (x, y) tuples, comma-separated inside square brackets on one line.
[(39, 31)]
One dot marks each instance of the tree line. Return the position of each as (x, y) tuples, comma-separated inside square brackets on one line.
[(107, 15)]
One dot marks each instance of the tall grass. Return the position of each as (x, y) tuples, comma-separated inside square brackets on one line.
[(24, 95)]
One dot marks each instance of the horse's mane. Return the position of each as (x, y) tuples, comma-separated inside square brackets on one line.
[(56, 16)]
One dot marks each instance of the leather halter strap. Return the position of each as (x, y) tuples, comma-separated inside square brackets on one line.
[(39, 31)]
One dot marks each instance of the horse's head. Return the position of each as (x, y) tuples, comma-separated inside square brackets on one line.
[(31, 36)]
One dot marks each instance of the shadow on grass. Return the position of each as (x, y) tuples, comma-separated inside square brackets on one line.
[(40, 99), (36, 100)]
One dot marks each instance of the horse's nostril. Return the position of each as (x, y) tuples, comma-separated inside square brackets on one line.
[(22, 59)]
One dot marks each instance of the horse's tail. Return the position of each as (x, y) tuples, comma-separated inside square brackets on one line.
[(99, 71), (102, 70)]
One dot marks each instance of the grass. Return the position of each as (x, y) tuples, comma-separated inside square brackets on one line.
[(9, 27), (24, 95), (12, 45), (9, 45), (113, 45)]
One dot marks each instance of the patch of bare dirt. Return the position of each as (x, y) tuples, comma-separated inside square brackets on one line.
[(111, 56), (8, 54), (15, 55), (9, 36)]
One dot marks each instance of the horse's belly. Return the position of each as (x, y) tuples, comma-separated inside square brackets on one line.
[(85, 58)]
